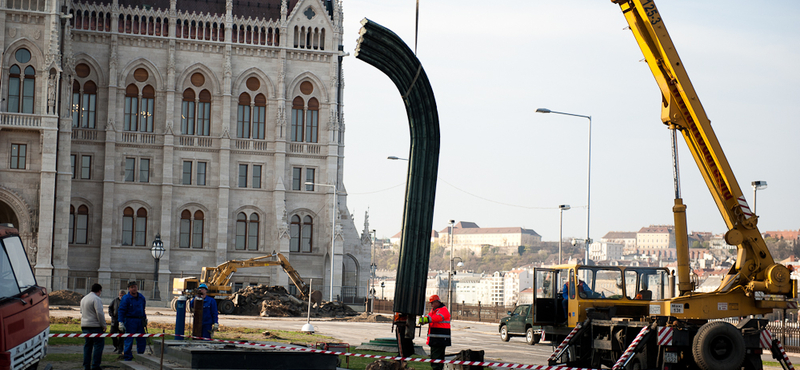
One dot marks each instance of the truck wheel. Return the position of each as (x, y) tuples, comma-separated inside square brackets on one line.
[(226, 306), (531, 338), (504, 333), (174, 304), (718, 346), (638, 362)]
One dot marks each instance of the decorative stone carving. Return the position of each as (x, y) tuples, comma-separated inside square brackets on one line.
[(51, 93), (283, 227)]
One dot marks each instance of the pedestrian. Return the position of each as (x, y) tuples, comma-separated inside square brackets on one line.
[(93, 320), (438, 321), (112, 311), (132, 319), (210, 313)]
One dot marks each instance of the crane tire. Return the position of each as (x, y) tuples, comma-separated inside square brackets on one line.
[(225, 306), (718, 346), (174, 304)]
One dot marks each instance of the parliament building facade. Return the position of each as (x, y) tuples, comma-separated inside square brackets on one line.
[(216, 125)]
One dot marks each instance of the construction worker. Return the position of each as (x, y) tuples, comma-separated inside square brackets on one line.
[(132, 319), (438, 321), (210, 313)]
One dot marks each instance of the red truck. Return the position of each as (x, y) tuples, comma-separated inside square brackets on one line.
[(24, 307)]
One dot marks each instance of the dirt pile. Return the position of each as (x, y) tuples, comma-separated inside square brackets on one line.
[(65, 298), (275, 301), (366, 317)]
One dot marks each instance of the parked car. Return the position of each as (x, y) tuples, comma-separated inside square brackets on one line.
[(519, 323)]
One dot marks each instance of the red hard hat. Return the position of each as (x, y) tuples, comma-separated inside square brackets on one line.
[(433, 298)]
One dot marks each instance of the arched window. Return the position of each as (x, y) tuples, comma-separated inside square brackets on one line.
[(252, 233), (82, 225), (127, 226), (247, 233), (312, 120), (196, 113), (188, 112), (297, 119), (140, 229), (204, 114), (146, 110), (301, 234), (131, 116), (259, 116), (84, 98), (134, 227), (241, 229), (21, 86), (191, 229), (71, 237), (294, 234), (308, 231), (243, 117)]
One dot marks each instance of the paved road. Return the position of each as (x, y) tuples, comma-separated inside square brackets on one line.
[(466, 335)]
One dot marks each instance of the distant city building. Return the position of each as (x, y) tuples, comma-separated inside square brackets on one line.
[(626, 238), (513, 282), (657, 241), (468, 236), (605, 251), (492, 289), (787, 235)]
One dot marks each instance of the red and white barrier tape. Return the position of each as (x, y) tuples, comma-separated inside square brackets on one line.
[(627, 354), (104, 335), (563, 344), (768, 333), (311, 350)]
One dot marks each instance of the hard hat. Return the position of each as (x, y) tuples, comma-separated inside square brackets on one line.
[(433, 298), (204, 286)]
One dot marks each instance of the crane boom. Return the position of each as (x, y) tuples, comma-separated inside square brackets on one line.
[(755, 269)]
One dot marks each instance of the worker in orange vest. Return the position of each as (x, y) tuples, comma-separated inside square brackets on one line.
[(438, 321)]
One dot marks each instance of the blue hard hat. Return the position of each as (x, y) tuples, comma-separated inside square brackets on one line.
[(204, 286)]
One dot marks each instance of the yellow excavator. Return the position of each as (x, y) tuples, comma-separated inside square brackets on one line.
[(218, 280)]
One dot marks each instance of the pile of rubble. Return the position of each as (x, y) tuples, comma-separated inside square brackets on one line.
[(65, 298), (275, 301)]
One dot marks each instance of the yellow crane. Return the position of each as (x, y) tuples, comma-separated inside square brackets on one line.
[(679, 331)]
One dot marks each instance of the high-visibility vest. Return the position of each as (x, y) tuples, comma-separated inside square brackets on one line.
[(439, 327)]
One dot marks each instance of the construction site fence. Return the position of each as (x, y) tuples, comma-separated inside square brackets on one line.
[(458, 311)]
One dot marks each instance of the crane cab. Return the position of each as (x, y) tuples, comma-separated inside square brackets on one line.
[(567, 294)]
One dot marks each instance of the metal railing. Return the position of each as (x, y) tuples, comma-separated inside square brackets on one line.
[(459, 311)]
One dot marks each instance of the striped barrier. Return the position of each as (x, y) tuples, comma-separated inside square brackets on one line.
[(311, 350), (629, 351), (104, 335), (561, 347)]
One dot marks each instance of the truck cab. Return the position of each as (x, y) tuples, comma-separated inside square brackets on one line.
[(565, 295)]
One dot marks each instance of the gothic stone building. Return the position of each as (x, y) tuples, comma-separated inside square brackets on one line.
[(211, 123)]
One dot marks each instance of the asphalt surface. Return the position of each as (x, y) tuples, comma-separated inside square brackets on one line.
[(466, 335)]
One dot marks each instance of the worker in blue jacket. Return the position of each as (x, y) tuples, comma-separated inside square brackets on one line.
[(132, 319), (210, 314)]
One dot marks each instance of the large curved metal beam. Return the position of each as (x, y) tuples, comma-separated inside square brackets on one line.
[(384, 50)]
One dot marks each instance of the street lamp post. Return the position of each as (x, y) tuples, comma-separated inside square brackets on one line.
[(157, 250), (333, 225), (373, 267), (450, 273), (588, 172), (382, 286), (757, 185), (561, 209)]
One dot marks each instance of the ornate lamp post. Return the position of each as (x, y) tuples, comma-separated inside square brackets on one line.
[(157, 250)]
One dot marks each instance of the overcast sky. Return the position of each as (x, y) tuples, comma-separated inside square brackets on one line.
[(491, 64)]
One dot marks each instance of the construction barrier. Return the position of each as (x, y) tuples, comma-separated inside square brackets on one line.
[(327, 352), (623, 360)]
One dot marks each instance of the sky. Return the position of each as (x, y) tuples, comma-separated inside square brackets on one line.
[(492, 64)]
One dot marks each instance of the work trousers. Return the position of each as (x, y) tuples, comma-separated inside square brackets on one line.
[(93, 349), (118, 341), (133, 326), (437, 353)]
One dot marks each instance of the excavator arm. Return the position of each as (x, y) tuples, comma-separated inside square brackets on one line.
[(755, 269), (222, 274)]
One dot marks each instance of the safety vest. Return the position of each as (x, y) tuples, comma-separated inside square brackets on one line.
[(439, 327)]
